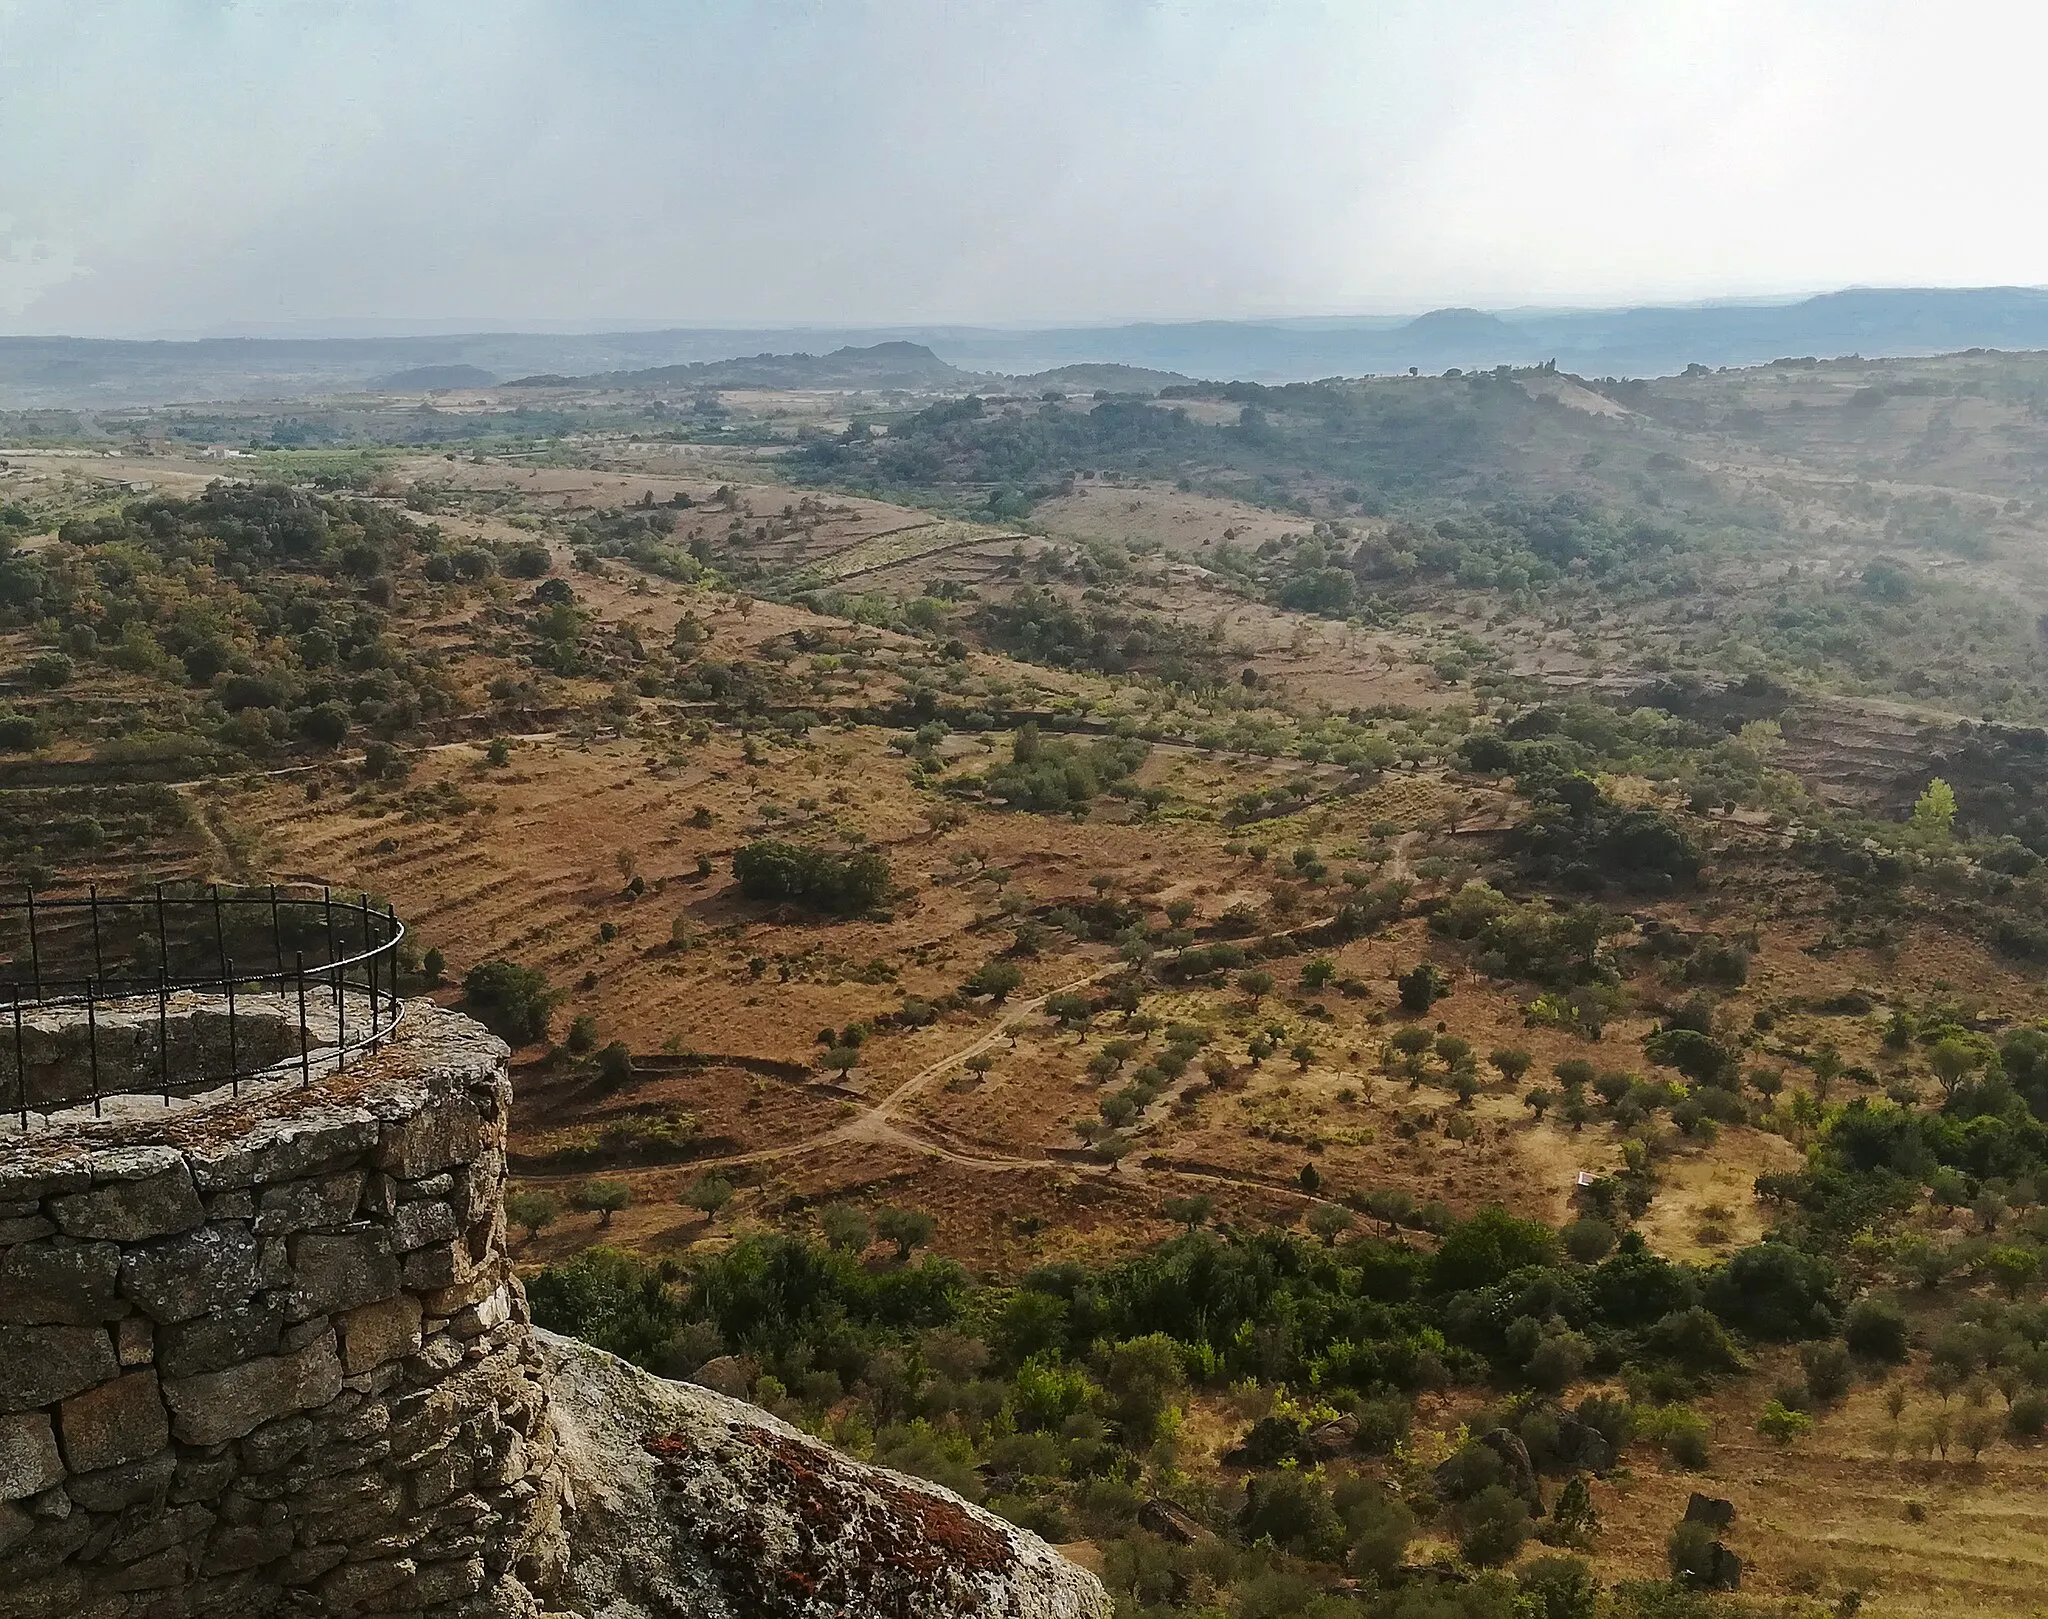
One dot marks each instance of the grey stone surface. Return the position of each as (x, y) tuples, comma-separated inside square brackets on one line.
[(438, 1137), (211, 1268), (310, 1205), (691, 1503), (220, 1338), (29, 1462), (117, 1423), (342, 1270), (57, 1283), (130, 1209), (42, 1365), (217, 1406), (375, 1333)]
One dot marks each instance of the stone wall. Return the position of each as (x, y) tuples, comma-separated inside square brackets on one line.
[(266, 1355), (269, 1354)]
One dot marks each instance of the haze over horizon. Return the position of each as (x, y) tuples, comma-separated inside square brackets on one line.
[(212, 167)]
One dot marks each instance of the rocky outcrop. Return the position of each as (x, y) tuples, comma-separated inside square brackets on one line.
[(266, 1354), (689, 1503)]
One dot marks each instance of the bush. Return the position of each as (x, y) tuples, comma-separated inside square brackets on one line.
[(1780, 1424), (816, 879), (1774, 1291), (512, 1001), (1876, 1330), (1559, 1587), (1421, 987), (1492, 1526)]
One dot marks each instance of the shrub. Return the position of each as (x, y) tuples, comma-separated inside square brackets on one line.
[(1492, 1526), (1558, 1587), (604, 1198), (532, 1212), (1876, 1329), (907, 1228), (511, 1001), (1780, 1424)]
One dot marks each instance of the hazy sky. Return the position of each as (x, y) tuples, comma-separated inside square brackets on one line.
[(185, 165)]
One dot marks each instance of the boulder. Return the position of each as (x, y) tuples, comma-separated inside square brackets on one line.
[(215, 1407), (687, 1502), (1171, 1522), (1329, 1440), (1710, 1510)]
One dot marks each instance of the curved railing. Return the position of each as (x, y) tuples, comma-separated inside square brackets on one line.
[(256, 980)]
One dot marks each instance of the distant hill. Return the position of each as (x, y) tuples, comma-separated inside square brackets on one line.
[(881, 365), (1094, 378), (1638, 342), (434, 377)]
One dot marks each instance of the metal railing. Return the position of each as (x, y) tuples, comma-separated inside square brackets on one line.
[(183, 989)]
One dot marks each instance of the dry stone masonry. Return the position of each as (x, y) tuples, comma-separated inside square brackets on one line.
[(267, 1354)]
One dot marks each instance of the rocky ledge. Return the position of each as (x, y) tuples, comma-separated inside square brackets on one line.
[(690, 1505)]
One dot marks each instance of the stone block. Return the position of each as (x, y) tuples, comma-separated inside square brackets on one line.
[(222, 1339), (28, 1456), (483, 1315), (446, 1132), (218, 1406), (375, 1333), (238, 1546), (419, 1224), (134, 1342), (445, 1264), (383, 1583), (143, 1483), (117, 1423), (24, 1228), (213, 1268), (59, 1284), (276, 1443), (380, 1195), (309, 1205), (308, 1142), (152, 1202), (341, 1271), (36, 1173), (42, 1365)]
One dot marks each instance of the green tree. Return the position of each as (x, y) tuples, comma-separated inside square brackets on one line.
[(1189, 1211), (533, 1212), (1510, 1062), (615, 1064), (1257, 984), (995, 979), (1934, 811), (1492, 1526), (512, 1001), (603, 1198), (707, 1193), (1329, 1221), (846, 1227), (907, 1228), (1780, 1424), (1140, 1375)]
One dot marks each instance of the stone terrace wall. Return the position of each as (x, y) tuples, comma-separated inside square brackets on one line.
[(269, 1354)]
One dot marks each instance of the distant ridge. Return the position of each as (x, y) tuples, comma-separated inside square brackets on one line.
[(881, 365), (1876, 322)]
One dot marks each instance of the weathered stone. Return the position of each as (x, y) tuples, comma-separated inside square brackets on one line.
[(308, 1563), (355, 1585), (223, 1405), (485, 1314), (309, 1205), (29, 1462), (286, 1149), (203, 1476), (473, 1289), (181, 1526), (448, 1132), (445, 1264), (301, 1333), (24, 1228), (209, 1269), (220, 1340), (375, 1333), (236, 1205), (125, 1208), (15, 1527), (44, 1171), (239, 1546), (59, 1283), (276, 1443), (436, 1186), (418, 1224), (341, 1271), (114, 1424), (380, 1195), (42, 1365), (143, 1483), (134, 1341), (448, 1581)]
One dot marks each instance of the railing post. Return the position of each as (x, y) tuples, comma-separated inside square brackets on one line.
[(92, 1039), (305, 1039), (35, 954), (163, 939), (99, 969), (276, 934), (220, 938), (391, 943), (163, 1031), (234, 1048), (20, 1059)]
